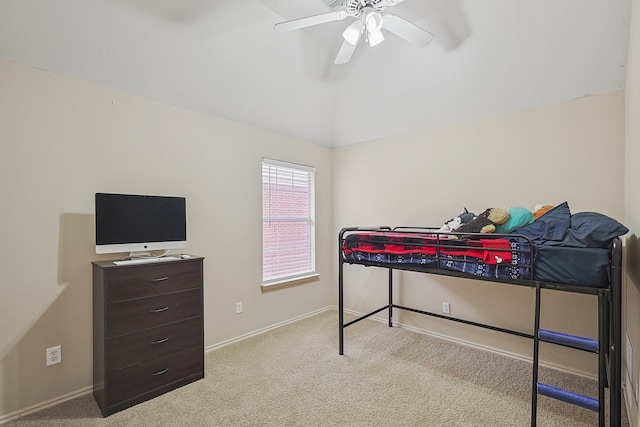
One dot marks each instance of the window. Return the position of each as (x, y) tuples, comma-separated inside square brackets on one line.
[(288, 221)]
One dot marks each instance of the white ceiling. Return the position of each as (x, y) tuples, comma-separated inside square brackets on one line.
[(222, 57)]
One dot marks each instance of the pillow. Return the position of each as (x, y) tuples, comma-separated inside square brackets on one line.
[(593, 230), (518, 217), (551, 226)]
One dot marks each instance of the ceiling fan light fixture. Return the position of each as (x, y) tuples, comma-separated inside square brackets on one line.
[(373, 21), (375, 38), (353, 32)]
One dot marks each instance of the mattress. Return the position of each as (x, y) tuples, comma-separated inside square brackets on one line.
[(589, 267), (497, 257)]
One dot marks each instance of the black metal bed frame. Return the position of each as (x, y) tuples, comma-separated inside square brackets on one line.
[(609, 318)]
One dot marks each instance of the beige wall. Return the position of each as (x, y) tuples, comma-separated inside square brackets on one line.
[(632, 214), (63, 140), (572, 151)]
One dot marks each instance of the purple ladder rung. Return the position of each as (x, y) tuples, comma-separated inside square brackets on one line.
[(568, 396), (582, 343)]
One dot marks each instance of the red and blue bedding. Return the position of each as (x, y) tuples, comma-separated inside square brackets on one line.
[(486, 257)]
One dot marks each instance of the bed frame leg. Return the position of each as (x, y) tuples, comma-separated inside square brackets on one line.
[(340, 297), (602, 351), (615, 355), (536, 354), (390, 297)]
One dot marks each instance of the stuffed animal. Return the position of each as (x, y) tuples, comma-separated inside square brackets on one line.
[(485, 222), (454, 223), (540, 210)]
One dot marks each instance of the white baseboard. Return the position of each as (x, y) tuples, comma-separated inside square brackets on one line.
[(44, 405), (266, 329)]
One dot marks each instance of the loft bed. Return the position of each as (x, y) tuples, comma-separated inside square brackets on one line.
[(578, 253)]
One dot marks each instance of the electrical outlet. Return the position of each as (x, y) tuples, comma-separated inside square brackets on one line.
[(238, 307), (446, 308), (54, 355)]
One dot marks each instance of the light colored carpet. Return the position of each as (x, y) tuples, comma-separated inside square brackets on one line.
[(293, 376)]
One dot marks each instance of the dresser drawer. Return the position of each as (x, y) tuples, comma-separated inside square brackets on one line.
[(130, 382), (152, 279), (131, 349), (139, 314)]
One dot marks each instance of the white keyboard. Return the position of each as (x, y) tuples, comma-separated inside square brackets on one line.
[(145, 260)]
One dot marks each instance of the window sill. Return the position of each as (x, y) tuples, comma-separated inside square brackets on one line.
[(290, 281)]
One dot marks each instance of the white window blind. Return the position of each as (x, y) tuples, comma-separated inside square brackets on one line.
[(288, 221)]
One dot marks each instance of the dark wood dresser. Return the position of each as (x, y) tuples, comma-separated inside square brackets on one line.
[(148, 330)]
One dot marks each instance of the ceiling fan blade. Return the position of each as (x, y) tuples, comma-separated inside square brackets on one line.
[(309, 21), (345, 53), (393, 2), (406, 30), (351, 36)]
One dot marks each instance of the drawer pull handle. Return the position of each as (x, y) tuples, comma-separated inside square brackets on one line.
[(160, 341), (158, 280), (155, 374), (159, 310)]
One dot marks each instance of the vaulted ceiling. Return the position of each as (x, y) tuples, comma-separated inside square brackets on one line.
[(223, 57)]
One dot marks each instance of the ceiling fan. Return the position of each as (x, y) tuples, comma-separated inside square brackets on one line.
[(369, 21)]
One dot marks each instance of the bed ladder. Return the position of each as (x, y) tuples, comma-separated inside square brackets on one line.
[(597, 346)]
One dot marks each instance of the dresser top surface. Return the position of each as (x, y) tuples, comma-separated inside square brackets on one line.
[(110, 263)]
